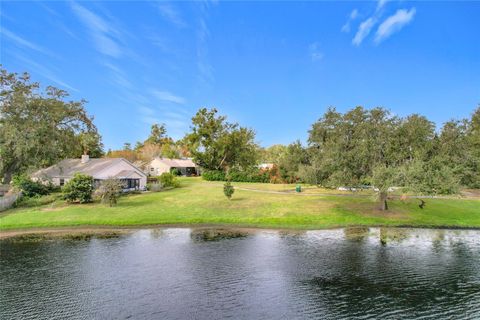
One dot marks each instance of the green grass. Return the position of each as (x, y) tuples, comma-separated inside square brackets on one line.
[(200, 202)]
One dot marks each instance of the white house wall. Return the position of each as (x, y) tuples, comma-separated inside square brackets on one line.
[(158, 168)]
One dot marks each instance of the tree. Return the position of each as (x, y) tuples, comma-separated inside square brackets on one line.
[(273, 153), (91, 144), (109, 191), (383, 179), (473, 136), (158, 134), (127, 146), (228, 190), (354, 149), (79, 188), (432, 177), (38, 128), (458, 149), (290, 160), (130, 155), (216, 144)]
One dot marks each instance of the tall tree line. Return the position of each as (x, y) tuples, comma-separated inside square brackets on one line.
[(374, 147)]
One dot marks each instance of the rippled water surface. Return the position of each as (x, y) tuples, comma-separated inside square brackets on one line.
[(198, 274)]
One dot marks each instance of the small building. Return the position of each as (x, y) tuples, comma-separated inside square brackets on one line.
[(266, 166), (186, 167), (99, 168)]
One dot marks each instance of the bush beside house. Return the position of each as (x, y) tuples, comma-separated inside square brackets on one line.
[(30, 188), (168, 180), (109, 191), (79, 188)]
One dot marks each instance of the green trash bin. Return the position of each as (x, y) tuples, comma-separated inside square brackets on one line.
[(298, 188)]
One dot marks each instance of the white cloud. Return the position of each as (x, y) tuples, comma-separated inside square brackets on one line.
[(394, 23), (314, 51), (102, 33), (353, 15), (381, 4), (167, 97), (172, 15), (363, 30), (21, 42)]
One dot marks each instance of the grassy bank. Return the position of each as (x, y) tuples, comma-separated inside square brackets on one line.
[(200, 202)]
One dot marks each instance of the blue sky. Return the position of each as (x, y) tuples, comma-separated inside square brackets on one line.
[(272, 66)]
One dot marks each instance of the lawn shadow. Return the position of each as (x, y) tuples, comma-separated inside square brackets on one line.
[(237, 199)]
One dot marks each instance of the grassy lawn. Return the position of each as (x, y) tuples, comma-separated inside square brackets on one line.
[(200, 202)]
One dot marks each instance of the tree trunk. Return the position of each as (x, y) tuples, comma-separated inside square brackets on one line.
[(383, 201), (7, 177)]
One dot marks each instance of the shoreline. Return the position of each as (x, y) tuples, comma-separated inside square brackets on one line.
[(123, 230)]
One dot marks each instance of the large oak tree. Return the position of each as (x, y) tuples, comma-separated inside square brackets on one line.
[(40, 127)]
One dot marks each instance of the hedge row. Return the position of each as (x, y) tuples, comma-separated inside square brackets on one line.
[(237, 176)]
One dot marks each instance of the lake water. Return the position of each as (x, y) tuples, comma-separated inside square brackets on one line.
[(198, 274)]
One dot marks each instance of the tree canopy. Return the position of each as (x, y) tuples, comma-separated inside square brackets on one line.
[(39, 127), (216, 144), (373, 147)]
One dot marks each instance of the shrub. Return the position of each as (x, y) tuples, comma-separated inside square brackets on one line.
[(79, 188), (228, 190), (28, 187), (175, 172), (249, 175), (168, 180), (154, 187), (237, 175), (26, 202), (109, 191), (213, 175)]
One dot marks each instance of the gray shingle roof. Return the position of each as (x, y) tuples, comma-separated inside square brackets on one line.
[(125, 174), (68, 167)]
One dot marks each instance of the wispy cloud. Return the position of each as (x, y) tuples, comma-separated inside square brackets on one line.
[(203, 33), (44, 72), (103, 34), (166, 96), (171, 14), (353, 15), (119, 77), (381, 4), (394, 23), (175, 120), (363, 30), (22, 42), (314, 51)]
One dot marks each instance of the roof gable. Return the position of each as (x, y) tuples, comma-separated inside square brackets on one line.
[(94, 167)]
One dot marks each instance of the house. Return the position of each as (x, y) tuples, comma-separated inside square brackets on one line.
[(99, 168), (186, 167), (266, 166)]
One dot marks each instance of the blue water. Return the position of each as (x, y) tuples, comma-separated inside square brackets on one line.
[(198, 274)]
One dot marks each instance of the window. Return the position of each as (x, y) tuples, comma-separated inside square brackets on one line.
[(62, 182)]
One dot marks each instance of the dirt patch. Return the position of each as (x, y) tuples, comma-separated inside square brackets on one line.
[(471, 193)]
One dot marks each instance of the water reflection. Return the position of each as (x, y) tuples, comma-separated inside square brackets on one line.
[(222, 273), (388, 235), (356, 233), (199, 235)]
